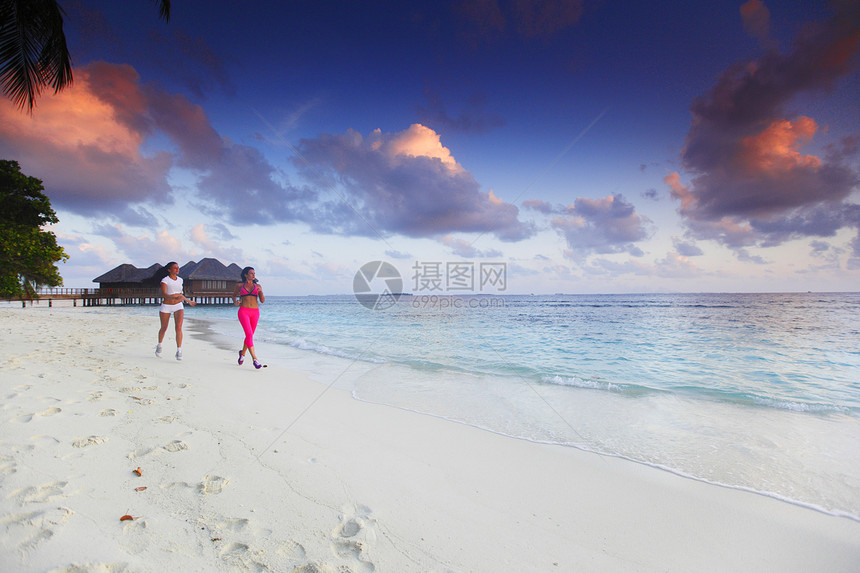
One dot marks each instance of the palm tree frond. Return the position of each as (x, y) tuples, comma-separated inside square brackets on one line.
[(164, 9), (33, 50)]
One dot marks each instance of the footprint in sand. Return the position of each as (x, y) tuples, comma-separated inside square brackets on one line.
[(51, 412), (136, 524), (90, 441), (140, 453), (135, 538), (108, 412), (42, 493), (19, 528), (212, 484), (352, 536), (233, 524), (176, 446), (95, 396), (23, 418), (241, 556), (179, 485), (292, 550)]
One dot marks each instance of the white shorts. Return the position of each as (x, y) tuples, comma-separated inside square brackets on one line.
[(170, 308)]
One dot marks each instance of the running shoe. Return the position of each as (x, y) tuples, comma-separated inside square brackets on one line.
[(178, 354), (257, 364), (158, 350), (241, 359)]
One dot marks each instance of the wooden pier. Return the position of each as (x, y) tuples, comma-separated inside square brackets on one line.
[(119, 296)]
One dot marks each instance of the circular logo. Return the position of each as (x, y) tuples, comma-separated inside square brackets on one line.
[(377, 285)]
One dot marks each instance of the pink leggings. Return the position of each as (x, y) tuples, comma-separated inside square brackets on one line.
[(248, 318)]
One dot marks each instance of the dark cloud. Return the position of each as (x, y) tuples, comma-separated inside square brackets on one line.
[(855, 247), (603, 226), (405, 183), (241, 188), (687, 249), (744, 256), (843, 150), (222, 232), (750, 182), (819, 246)]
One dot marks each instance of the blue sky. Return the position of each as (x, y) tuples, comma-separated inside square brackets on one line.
[(591, 147)]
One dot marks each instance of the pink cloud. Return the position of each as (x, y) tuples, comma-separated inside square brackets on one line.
[(416, 141), (85, 142), (775, 148), (750, 183)]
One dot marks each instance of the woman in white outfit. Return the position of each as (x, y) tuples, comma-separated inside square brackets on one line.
[(172, 298)]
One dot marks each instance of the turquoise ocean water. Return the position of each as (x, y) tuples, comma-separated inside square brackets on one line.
[(759, 392)]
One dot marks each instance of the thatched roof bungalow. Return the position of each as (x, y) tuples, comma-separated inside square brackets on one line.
[(129, 276), (209, 277)]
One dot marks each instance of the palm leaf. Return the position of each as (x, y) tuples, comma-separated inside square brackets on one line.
[(164, 9), (33, 50)]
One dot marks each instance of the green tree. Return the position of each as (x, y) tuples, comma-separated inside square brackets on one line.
[(27, 252), (33, 50)]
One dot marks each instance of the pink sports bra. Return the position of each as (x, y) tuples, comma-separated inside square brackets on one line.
[(246, 293)]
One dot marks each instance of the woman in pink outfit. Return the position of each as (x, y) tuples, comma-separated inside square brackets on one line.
[(247, 296)]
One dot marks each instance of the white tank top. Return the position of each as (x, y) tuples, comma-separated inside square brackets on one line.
[(173, 286)]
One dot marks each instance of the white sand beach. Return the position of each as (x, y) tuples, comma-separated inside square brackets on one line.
[(267, 470)]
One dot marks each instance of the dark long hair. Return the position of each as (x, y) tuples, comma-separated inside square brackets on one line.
[(245, 273), (162, 272)]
